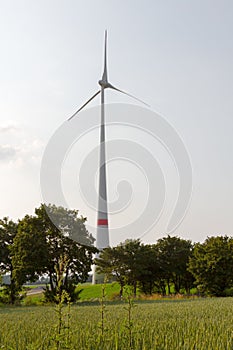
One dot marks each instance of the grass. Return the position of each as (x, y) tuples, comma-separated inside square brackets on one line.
[(93, 292), (201, 324), (89, 293), (36, 299)]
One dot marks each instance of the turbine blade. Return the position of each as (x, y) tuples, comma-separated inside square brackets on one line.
[(126, 93), (105, 73), (90, 99)]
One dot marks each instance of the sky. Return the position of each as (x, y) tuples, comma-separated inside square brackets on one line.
[(175, 55)]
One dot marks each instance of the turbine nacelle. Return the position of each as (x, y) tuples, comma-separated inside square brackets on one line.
[(104, 84)]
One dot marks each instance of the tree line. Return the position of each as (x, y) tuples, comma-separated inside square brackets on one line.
[(34, 247), (171, 265)]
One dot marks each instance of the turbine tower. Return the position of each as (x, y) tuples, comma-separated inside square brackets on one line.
[(102, 238)]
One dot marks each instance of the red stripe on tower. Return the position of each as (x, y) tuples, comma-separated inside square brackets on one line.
[(102, 222)]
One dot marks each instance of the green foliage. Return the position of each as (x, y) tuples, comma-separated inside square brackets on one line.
[(71, 290), (8, 231), (61, 242), (33, 300), (129, 263), (152, 267), (129, 320), (110, 264), (39, 244), (62, 328), (35, 246), (132, 259), (173, 257), (102, 310), (212, 265), (11, 295), (29, 251)]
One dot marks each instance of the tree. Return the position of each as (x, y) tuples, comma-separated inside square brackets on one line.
[(122, 262), (40, 246), (110, 264), (8, 230), (131, 260), (148, 271), (29, 251), (130, 263), (212, 264), (173, 256)]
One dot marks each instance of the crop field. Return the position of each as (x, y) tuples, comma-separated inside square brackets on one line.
[(201, 324)]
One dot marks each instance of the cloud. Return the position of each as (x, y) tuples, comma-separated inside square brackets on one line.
[(7, 153), (18, 145), (8, 128)]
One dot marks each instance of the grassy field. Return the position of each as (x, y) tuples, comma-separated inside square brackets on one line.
[(201, 324), (93, 292), (90, 292)]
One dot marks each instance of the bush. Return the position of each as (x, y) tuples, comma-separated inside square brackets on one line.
[(6, 296), (228, 292), (51, 296)]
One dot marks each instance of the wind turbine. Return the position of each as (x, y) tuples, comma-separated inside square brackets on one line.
[(102, 238)]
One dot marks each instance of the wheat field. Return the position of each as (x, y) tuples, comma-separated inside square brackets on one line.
[(201, 324)]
